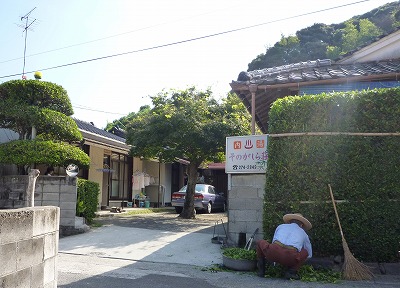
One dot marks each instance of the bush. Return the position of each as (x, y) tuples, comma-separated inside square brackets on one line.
[(363, 170), (87, 199), (25, 152)]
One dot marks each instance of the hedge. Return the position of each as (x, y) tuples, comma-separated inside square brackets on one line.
[(362, 170), (87, 199)]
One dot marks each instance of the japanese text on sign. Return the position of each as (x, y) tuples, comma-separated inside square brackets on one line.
[(246, 154)]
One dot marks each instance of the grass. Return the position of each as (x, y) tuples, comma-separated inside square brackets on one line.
[(95, 224), (148, 211)]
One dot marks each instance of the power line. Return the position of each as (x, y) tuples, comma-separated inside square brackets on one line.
[(89, 109), (112, 36), (188, 40)]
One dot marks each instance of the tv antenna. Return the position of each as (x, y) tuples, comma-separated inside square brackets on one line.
[(26, 27)]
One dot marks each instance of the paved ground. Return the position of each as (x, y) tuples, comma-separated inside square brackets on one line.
[(161, 250), (167, 221)]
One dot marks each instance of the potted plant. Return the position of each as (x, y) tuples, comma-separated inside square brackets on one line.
[(239, 259)]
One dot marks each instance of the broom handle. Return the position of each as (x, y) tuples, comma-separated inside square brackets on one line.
[(336, 213)]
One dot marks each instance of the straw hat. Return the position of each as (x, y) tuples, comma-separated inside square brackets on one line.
[(299, 217)]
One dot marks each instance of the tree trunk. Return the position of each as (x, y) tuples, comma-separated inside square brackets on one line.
[(188, 211)]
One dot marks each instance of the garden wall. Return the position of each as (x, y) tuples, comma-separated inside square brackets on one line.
[(29, 247), (245, 202), (49, 191)]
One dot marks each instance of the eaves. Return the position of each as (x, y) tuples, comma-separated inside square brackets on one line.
[(104, 142)]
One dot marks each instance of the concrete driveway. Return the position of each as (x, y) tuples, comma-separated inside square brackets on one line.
[(157, 237), (161, 250)]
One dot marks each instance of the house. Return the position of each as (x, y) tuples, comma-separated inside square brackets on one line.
[(122, 177), (376, 65), (114, 169)]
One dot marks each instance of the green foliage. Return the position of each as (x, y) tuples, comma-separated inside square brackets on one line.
[(187, 124), (147, 211), (24, 152), (363, 170), (333, 52), (308, 273), (321, 41), (56, 126), (87, 199), (25, 104), (239, 253), (121, 123), (354, 36), (37, 93)]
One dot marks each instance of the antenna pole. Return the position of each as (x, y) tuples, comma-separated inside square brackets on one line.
[(26, 17)]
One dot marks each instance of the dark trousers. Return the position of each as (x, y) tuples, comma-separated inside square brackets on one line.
[(290, 258)]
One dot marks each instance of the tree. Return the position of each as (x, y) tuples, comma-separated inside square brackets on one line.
[(321, 41), (39, 112), (356, 35), (121, 123), (188, 124)]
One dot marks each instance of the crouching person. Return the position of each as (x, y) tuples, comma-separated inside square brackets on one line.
[(290, 246)]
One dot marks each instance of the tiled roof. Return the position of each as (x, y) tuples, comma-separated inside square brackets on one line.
[(93, 129), (270, 84), (316, 70)]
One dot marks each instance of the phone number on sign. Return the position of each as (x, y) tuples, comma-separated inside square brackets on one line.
[(244, 167)]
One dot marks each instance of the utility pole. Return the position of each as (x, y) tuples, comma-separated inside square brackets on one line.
[(26, 27)]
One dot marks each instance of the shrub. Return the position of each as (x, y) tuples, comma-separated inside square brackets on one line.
[(87, 199), (363, 170)]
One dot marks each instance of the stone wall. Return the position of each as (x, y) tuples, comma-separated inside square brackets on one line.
[(29, 247), (245, 202), (49, 191)]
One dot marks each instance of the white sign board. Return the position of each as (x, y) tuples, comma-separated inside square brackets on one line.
[(246, 154)]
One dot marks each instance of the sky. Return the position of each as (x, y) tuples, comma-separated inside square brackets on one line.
[(111, 55)]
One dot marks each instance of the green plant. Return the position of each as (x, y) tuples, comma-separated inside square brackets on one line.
[(39, 112), (362, 169), (310, 274), (186, 123), (80, 207), (147, 211), (307, 273), (240, 253), (95, 224), (86, 203), (21, 152)]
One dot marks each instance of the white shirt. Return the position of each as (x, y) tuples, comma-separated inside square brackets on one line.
[(293, 235)]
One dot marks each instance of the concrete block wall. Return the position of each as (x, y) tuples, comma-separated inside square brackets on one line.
[(58, 191), (49, 191), (29, 247), (245, 202)]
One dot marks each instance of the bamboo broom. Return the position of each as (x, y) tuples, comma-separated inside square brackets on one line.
[(352, 269)]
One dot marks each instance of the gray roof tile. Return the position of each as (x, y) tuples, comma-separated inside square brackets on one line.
[(93, 129), (317, 70)]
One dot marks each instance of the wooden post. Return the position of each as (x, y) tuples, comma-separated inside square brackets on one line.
[(253, 90)]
